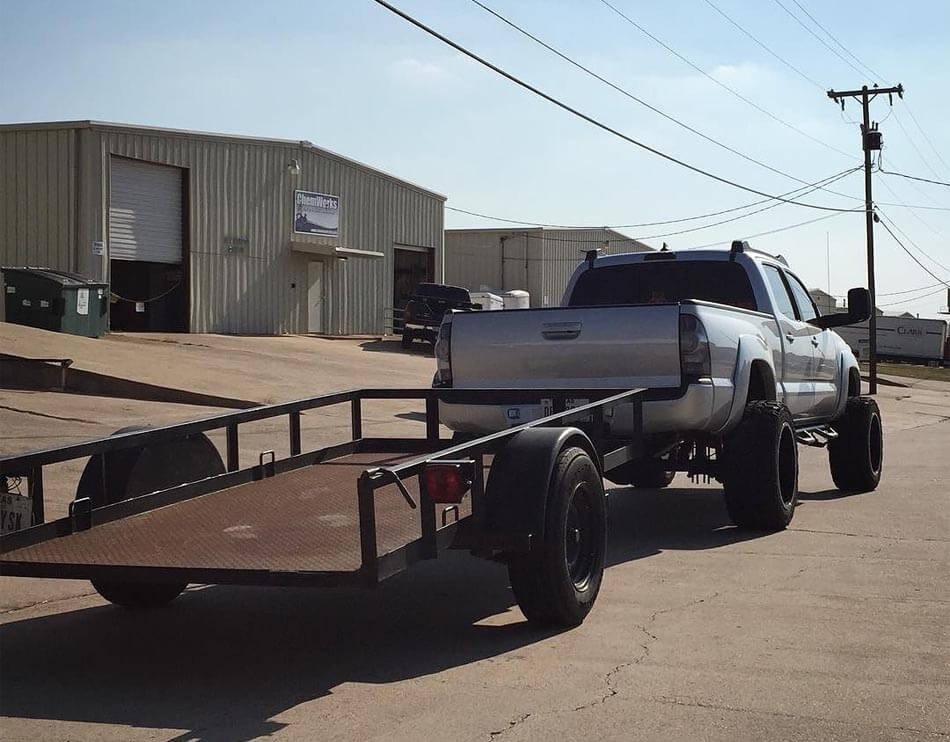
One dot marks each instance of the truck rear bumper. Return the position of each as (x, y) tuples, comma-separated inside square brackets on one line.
[(701, 406)]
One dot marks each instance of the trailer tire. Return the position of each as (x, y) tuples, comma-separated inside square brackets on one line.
[(642, 474), (857, 454), (759, 468), (137, 471), (139, 596), (406, 339), (557, 583)]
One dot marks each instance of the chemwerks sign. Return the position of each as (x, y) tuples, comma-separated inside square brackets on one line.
[(316, 213)]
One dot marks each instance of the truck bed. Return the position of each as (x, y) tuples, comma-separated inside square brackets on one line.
[(302, 521)]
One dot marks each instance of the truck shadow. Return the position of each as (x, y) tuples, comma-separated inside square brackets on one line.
[(418, 348), (222, 662)]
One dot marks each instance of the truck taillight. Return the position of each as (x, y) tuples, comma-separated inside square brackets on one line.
[(694, 347), (443, 353)]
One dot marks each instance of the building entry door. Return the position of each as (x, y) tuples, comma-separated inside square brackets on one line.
[(316, 296)]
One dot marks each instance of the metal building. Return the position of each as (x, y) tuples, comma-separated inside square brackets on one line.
[(216, 233), (538, 260)]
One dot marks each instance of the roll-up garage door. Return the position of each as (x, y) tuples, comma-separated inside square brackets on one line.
[(145, 216)]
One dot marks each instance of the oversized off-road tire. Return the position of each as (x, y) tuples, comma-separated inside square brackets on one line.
[(406, 339), (857, 454), (642, 474), (557, 583), (759, 468), (139, 595), (137, 471)]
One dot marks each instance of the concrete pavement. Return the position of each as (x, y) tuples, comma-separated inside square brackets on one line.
[(836, 629)]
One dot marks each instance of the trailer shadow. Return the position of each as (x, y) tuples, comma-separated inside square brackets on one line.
[(223, 662)]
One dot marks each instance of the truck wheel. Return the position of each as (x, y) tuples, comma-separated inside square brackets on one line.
[(139, 595), (406, 338), (857, 454), (760, 468), (643, 474), (557, 584)]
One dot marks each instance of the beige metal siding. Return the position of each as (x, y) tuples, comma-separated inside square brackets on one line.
[(38, 198), (244, 275), (540, 261)]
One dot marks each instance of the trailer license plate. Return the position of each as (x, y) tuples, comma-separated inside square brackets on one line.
[(16, 512)]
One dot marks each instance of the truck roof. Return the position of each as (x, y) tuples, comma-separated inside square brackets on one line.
[(705, 254)]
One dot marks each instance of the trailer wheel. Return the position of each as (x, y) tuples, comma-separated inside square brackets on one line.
[(137, 471), (557, 584), (139, 596), (857, 454), (642, 474), (760, 468)]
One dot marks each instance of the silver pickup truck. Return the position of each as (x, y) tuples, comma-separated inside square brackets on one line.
[(739, 364)]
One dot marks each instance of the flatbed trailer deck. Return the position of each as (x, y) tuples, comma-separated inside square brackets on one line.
[(159, 507)]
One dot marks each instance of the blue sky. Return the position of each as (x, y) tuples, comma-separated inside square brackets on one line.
[(354, 78)]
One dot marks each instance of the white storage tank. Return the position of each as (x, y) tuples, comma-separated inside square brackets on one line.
[(488, 300), (517, 299)]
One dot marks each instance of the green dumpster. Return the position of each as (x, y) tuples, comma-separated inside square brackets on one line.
[(54, 300)]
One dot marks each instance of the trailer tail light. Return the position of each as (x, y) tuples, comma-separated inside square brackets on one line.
[(446, 483), (694, 348), (443, 353)]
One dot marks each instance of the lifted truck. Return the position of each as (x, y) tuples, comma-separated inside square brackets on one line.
[(157, 508), (738, 363)]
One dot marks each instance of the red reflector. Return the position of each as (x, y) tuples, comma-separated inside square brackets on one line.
[(445, 482)]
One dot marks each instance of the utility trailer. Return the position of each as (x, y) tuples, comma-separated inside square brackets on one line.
[(157, 508)]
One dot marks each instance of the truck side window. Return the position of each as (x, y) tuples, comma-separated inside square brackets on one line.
[(783, 301), (806, 308)]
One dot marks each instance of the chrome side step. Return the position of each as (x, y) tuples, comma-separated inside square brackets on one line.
[(818, 436)]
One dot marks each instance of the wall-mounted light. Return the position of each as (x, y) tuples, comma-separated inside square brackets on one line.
[(293, 167)]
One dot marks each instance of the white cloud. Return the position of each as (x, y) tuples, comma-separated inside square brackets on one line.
[(410, 70)]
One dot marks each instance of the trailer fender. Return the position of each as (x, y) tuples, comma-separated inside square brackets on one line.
[(520, 478), (138, 471)]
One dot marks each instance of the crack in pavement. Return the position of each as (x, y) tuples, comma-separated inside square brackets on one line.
[(872, 535), (675, 701), (50, 417), (511, 725), (610, 690), (7, 611)]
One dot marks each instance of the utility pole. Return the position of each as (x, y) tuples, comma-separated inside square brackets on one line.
[(870, 141)]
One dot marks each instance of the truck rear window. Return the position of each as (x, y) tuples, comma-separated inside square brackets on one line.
[(665, 282)]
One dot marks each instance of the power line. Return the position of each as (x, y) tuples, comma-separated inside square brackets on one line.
[(916, 148), (586, 117), (733, 91), (913, 177), (779, 229), (631, 96), (918, 247), (913, 299), (927, 138), (911, 291), (832, 37), (884, 222), (521, 222), (764, 46), (824, 43)]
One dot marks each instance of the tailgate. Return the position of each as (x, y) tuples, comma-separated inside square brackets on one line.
[(620, 347)]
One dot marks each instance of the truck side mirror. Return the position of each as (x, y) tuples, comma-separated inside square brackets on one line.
[(859, 309), (859, 305)]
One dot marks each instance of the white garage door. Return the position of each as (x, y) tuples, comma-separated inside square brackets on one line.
[(145, 216)]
